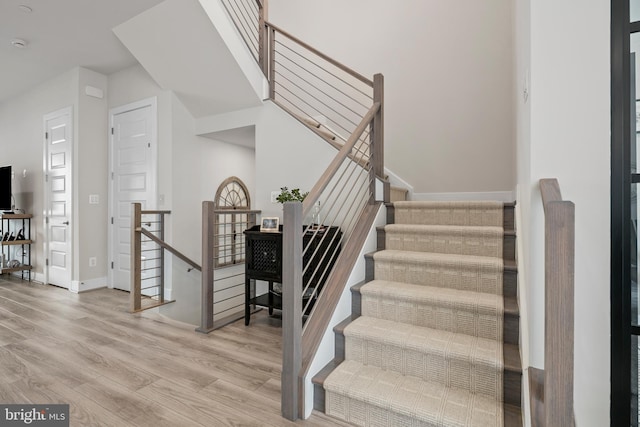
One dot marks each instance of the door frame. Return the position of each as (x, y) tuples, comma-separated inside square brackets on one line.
[(147, 102), (66, 110)]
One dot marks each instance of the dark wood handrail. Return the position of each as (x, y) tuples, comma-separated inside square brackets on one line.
[(330, 60), (170, 248), (335, 164)]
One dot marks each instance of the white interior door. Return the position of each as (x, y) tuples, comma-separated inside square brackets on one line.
[(58, 196), (133, 158)]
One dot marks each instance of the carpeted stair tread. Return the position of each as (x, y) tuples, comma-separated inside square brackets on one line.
[(368, 395), (485, 213), (447, 358), (462, 272), (433, 336), (471, 313), (450, 239)]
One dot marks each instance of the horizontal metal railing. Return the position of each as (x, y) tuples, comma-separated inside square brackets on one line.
[(148, 258), (223, 257), (247, 15), (322, 93), (314, 234)]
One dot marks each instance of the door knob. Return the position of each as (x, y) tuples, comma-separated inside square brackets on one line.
[(66, 223)]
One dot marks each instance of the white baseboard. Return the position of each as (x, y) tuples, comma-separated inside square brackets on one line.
[(88, 285), (37, 277), (501, 196)]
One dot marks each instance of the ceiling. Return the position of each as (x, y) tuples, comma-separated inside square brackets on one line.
[(62, 34)]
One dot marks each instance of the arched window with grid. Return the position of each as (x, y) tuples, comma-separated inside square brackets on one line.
[(232, 195)]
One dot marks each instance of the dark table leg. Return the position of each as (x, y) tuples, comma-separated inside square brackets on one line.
[(247, 300)]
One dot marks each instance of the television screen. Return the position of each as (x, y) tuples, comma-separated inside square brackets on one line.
[(5, 188)]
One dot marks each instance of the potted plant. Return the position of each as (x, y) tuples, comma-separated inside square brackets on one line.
[(293, 195)]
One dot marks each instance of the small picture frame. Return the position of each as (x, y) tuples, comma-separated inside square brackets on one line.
[(270, 224)]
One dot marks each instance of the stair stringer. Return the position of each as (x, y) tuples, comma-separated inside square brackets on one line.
[(326, 350)]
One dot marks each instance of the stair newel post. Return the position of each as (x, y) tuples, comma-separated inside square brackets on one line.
[(271, 32), (208, 243), (377, 138), (136, 257), (559, 312), (291, 308)]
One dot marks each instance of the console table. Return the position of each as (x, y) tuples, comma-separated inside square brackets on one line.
[(263, 261)]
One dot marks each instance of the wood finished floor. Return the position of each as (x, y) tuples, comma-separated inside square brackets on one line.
[(119, 369)]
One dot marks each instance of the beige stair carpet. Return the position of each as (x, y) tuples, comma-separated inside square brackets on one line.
[(449, 213), (452, 271), (427, 349)]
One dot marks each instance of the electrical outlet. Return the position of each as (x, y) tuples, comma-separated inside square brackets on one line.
[(93, 261), (94, 199), (274, 196)]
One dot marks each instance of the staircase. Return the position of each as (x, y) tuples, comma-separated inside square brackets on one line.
[(433, 337)]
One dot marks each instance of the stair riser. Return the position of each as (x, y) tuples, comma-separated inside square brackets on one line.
[(364, 413), (472, 279), (445, 245), (451, 319), (512, 379), (508, 216), (509, 277), (432, 367), (511, 326)]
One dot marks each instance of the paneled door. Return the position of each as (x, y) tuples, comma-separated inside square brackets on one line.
[(58, 197), (133, 179)]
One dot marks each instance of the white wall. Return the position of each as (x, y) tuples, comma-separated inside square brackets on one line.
[(288, 154), (449, 122), (21, 136), (564, 132), (91, 164), (21, 139)]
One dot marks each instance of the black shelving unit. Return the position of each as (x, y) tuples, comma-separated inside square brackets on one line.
[(16, 250)]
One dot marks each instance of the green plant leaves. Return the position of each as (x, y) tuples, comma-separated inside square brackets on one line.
[(293, 195)]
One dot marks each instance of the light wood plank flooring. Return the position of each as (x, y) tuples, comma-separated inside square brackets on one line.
[(119, 369)]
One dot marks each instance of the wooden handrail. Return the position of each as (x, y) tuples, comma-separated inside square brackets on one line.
[(155, 212), (328, 301), (550, 191), (335, 164), (330, 60), (559, 307), (170, 248)]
